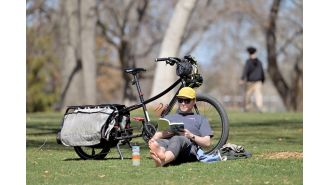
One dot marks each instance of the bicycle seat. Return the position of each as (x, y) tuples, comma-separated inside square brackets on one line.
[(134, 71)]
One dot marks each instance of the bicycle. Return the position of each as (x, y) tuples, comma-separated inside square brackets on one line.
[(122, 133)]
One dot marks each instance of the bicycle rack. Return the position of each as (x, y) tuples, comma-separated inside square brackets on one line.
[(122, 142)]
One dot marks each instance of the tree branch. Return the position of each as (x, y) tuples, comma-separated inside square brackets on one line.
[(289, 41), (149, 49), (104, 33), (37, 5), (127, 11), (109, 65)]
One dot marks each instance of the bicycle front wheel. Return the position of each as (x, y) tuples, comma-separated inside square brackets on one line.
[(212, 109)]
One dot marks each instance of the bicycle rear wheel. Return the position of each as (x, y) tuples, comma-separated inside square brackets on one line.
[(212, 109), (218, 120), (94, 152)]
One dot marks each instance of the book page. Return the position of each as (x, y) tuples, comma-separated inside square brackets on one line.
[(163, 124)]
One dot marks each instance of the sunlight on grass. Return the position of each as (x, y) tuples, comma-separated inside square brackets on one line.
[(269, 137)]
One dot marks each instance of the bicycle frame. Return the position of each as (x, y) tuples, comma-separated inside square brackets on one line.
[(145, 102)]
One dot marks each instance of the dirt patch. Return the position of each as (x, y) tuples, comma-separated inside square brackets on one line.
[(282, 155)]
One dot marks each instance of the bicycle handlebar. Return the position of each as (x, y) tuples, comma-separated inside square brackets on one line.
[(161, 59), (169, 60)]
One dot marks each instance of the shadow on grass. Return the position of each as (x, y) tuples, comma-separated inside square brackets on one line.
[(50, 128), (105, 159), (45, 143), (43, 135), (51, 144), (274, 123)]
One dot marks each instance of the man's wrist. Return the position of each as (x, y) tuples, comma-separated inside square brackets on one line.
[(193, 137)]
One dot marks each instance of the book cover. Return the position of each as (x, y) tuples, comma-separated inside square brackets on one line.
[(175, 127)]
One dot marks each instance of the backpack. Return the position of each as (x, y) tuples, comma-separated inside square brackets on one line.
[(232, 151)]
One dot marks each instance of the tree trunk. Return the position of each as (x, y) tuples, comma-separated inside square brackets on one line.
[(127, 61), (291, 96), (297, 89), (165, 74), (87, 36), (77, 38), (72, 86)]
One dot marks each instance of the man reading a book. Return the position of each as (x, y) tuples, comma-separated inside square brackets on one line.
[(167, 147)]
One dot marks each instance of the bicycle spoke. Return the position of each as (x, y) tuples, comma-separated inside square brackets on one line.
[(196, 109)]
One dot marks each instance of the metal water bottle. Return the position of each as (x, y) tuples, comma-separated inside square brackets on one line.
[(136, 155)]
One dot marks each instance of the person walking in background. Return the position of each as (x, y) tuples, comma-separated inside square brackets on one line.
[(253, 77)]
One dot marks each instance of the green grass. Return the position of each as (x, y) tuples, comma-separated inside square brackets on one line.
[(262, 134)]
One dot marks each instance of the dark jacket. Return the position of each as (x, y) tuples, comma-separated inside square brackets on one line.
[(253, 71)]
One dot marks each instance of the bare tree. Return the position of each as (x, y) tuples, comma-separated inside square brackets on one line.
[(165, 75), (72, 76), (245, 23), (125, 27), (77, 39), (87, 44), (291, 95), (129, 33)]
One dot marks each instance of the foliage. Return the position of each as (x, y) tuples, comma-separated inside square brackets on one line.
[(42, 73), (262, 134)]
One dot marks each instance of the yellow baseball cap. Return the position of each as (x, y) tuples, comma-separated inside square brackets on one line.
[(187, 92)]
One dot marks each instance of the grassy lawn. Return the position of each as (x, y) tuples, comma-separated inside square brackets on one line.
[(275, 140)]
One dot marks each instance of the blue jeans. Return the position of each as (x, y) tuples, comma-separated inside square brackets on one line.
[(208, 158)]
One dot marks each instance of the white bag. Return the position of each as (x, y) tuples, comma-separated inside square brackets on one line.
[(83, 126)]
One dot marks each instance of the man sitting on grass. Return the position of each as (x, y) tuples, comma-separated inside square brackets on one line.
[(167, 148)]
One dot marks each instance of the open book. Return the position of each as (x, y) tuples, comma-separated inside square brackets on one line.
[(174, 127)]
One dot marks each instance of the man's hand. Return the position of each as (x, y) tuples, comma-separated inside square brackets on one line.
[(186, 133), (204, 141)]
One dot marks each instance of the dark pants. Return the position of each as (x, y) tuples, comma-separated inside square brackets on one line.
[(183, 149)]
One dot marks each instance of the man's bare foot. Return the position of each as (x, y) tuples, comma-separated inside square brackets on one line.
[(157, 161), (156, 149)]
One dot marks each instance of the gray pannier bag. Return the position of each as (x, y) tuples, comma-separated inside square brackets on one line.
[(83, 126)]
